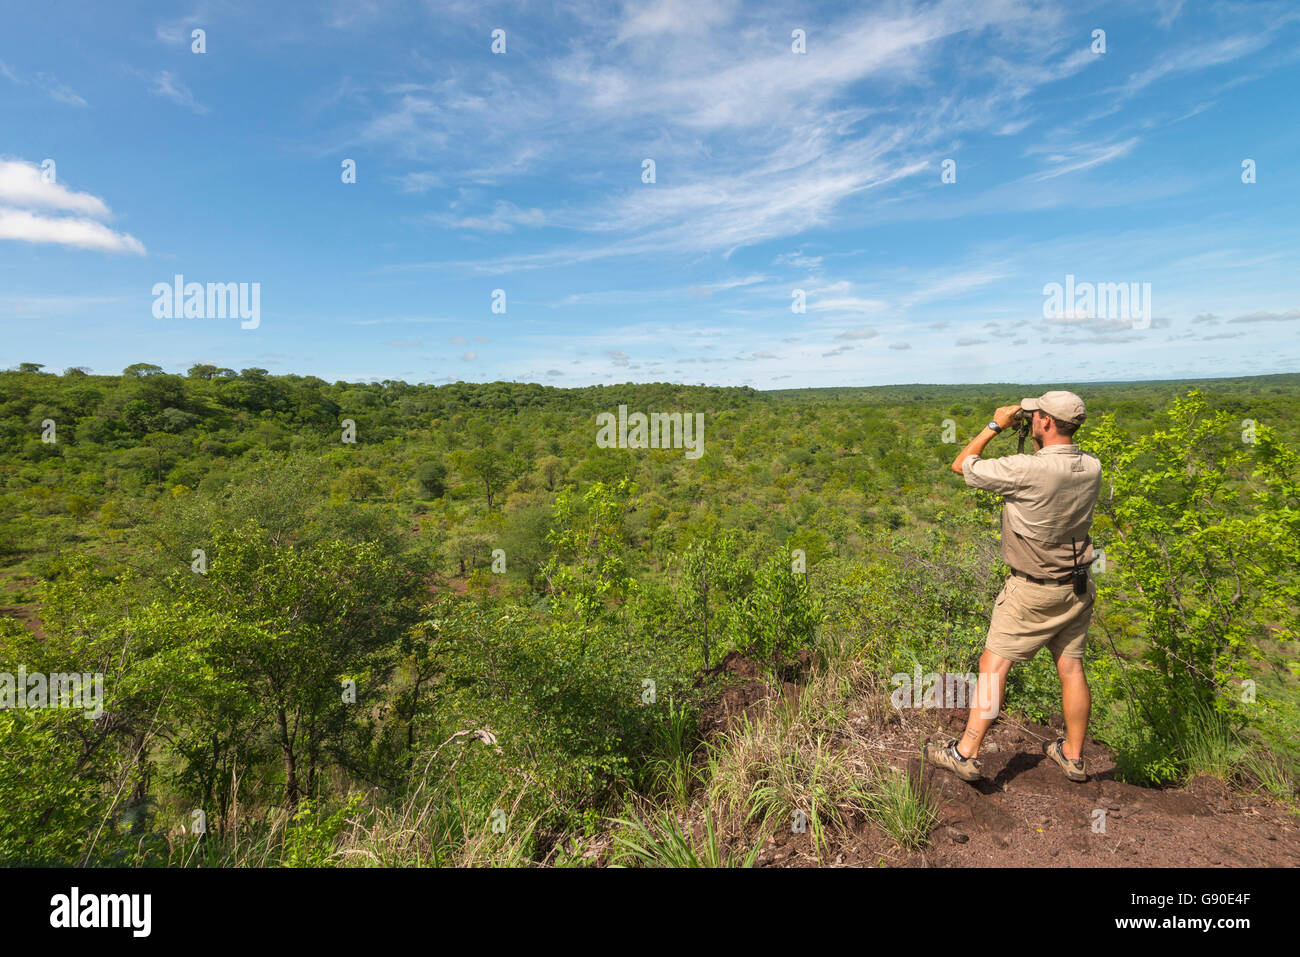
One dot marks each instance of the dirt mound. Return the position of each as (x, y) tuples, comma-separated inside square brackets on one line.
[(740, 688), (1025, 813)]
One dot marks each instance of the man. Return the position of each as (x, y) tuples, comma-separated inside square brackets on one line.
[(1048, 498)]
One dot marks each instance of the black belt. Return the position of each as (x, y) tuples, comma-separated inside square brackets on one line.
[(1043, 581)]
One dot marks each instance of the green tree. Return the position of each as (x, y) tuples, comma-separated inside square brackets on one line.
[(358, 484), (588, 566), (431, 477), (140, 370), (1201, 556), (288, 624)]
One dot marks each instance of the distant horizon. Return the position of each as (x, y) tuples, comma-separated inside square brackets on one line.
[(717, 385)]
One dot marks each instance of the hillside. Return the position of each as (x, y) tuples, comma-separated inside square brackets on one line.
[(416, 624)]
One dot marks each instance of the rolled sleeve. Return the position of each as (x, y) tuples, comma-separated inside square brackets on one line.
[(993, 475)]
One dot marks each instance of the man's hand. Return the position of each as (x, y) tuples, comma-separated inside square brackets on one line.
[(1006, 415)]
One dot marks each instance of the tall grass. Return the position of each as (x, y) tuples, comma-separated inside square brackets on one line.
[(672, 742), (1273, 779), (1207, 744), (901, 807), (662, 842)]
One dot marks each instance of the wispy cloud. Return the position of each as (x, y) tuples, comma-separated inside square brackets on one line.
[(752, 141), (1288, 316), (50, 85), (849, 304), (674, 18), (1168, 11), (1075, 157), (178, 32), (54, 306), (940, 287), (420, 181), (504, 218), (168, 86), (1193, 58)]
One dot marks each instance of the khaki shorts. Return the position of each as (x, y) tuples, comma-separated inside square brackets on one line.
[(1027, 616)]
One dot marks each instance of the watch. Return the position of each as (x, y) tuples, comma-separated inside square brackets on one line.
[(994, 426)]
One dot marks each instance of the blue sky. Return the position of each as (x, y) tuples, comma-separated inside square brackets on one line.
[(774, 171)]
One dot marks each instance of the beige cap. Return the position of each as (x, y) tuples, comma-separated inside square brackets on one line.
[(1065, 406)]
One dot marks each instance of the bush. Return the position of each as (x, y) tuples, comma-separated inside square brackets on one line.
[(431, 477)]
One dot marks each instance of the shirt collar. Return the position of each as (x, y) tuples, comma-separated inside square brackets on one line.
[(1070, 449)]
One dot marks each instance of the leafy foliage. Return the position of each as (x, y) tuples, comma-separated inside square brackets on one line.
[(524, 617)]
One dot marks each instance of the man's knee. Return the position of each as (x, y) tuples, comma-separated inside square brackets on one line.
[(1068, 667)]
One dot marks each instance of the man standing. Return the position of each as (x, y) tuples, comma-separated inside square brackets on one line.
[(1048, 498)]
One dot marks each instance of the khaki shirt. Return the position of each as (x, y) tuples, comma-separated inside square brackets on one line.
[(1047, 499)]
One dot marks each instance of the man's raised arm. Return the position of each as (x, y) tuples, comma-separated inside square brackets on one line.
[(1004, 417)]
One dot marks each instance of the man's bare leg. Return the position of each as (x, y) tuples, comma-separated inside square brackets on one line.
[(1076, 703), (988, 702)]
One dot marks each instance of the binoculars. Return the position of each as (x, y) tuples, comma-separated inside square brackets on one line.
[(1023, 421)]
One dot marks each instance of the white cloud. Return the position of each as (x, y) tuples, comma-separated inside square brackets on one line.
[(65, 231), (22, 185)]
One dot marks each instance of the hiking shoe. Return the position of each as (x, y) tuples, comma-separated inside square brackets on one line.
[(947, 756), (1073, 769)]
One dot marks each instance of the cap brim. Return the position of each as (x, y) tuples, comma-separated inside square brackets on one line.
[(1029, 404)]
